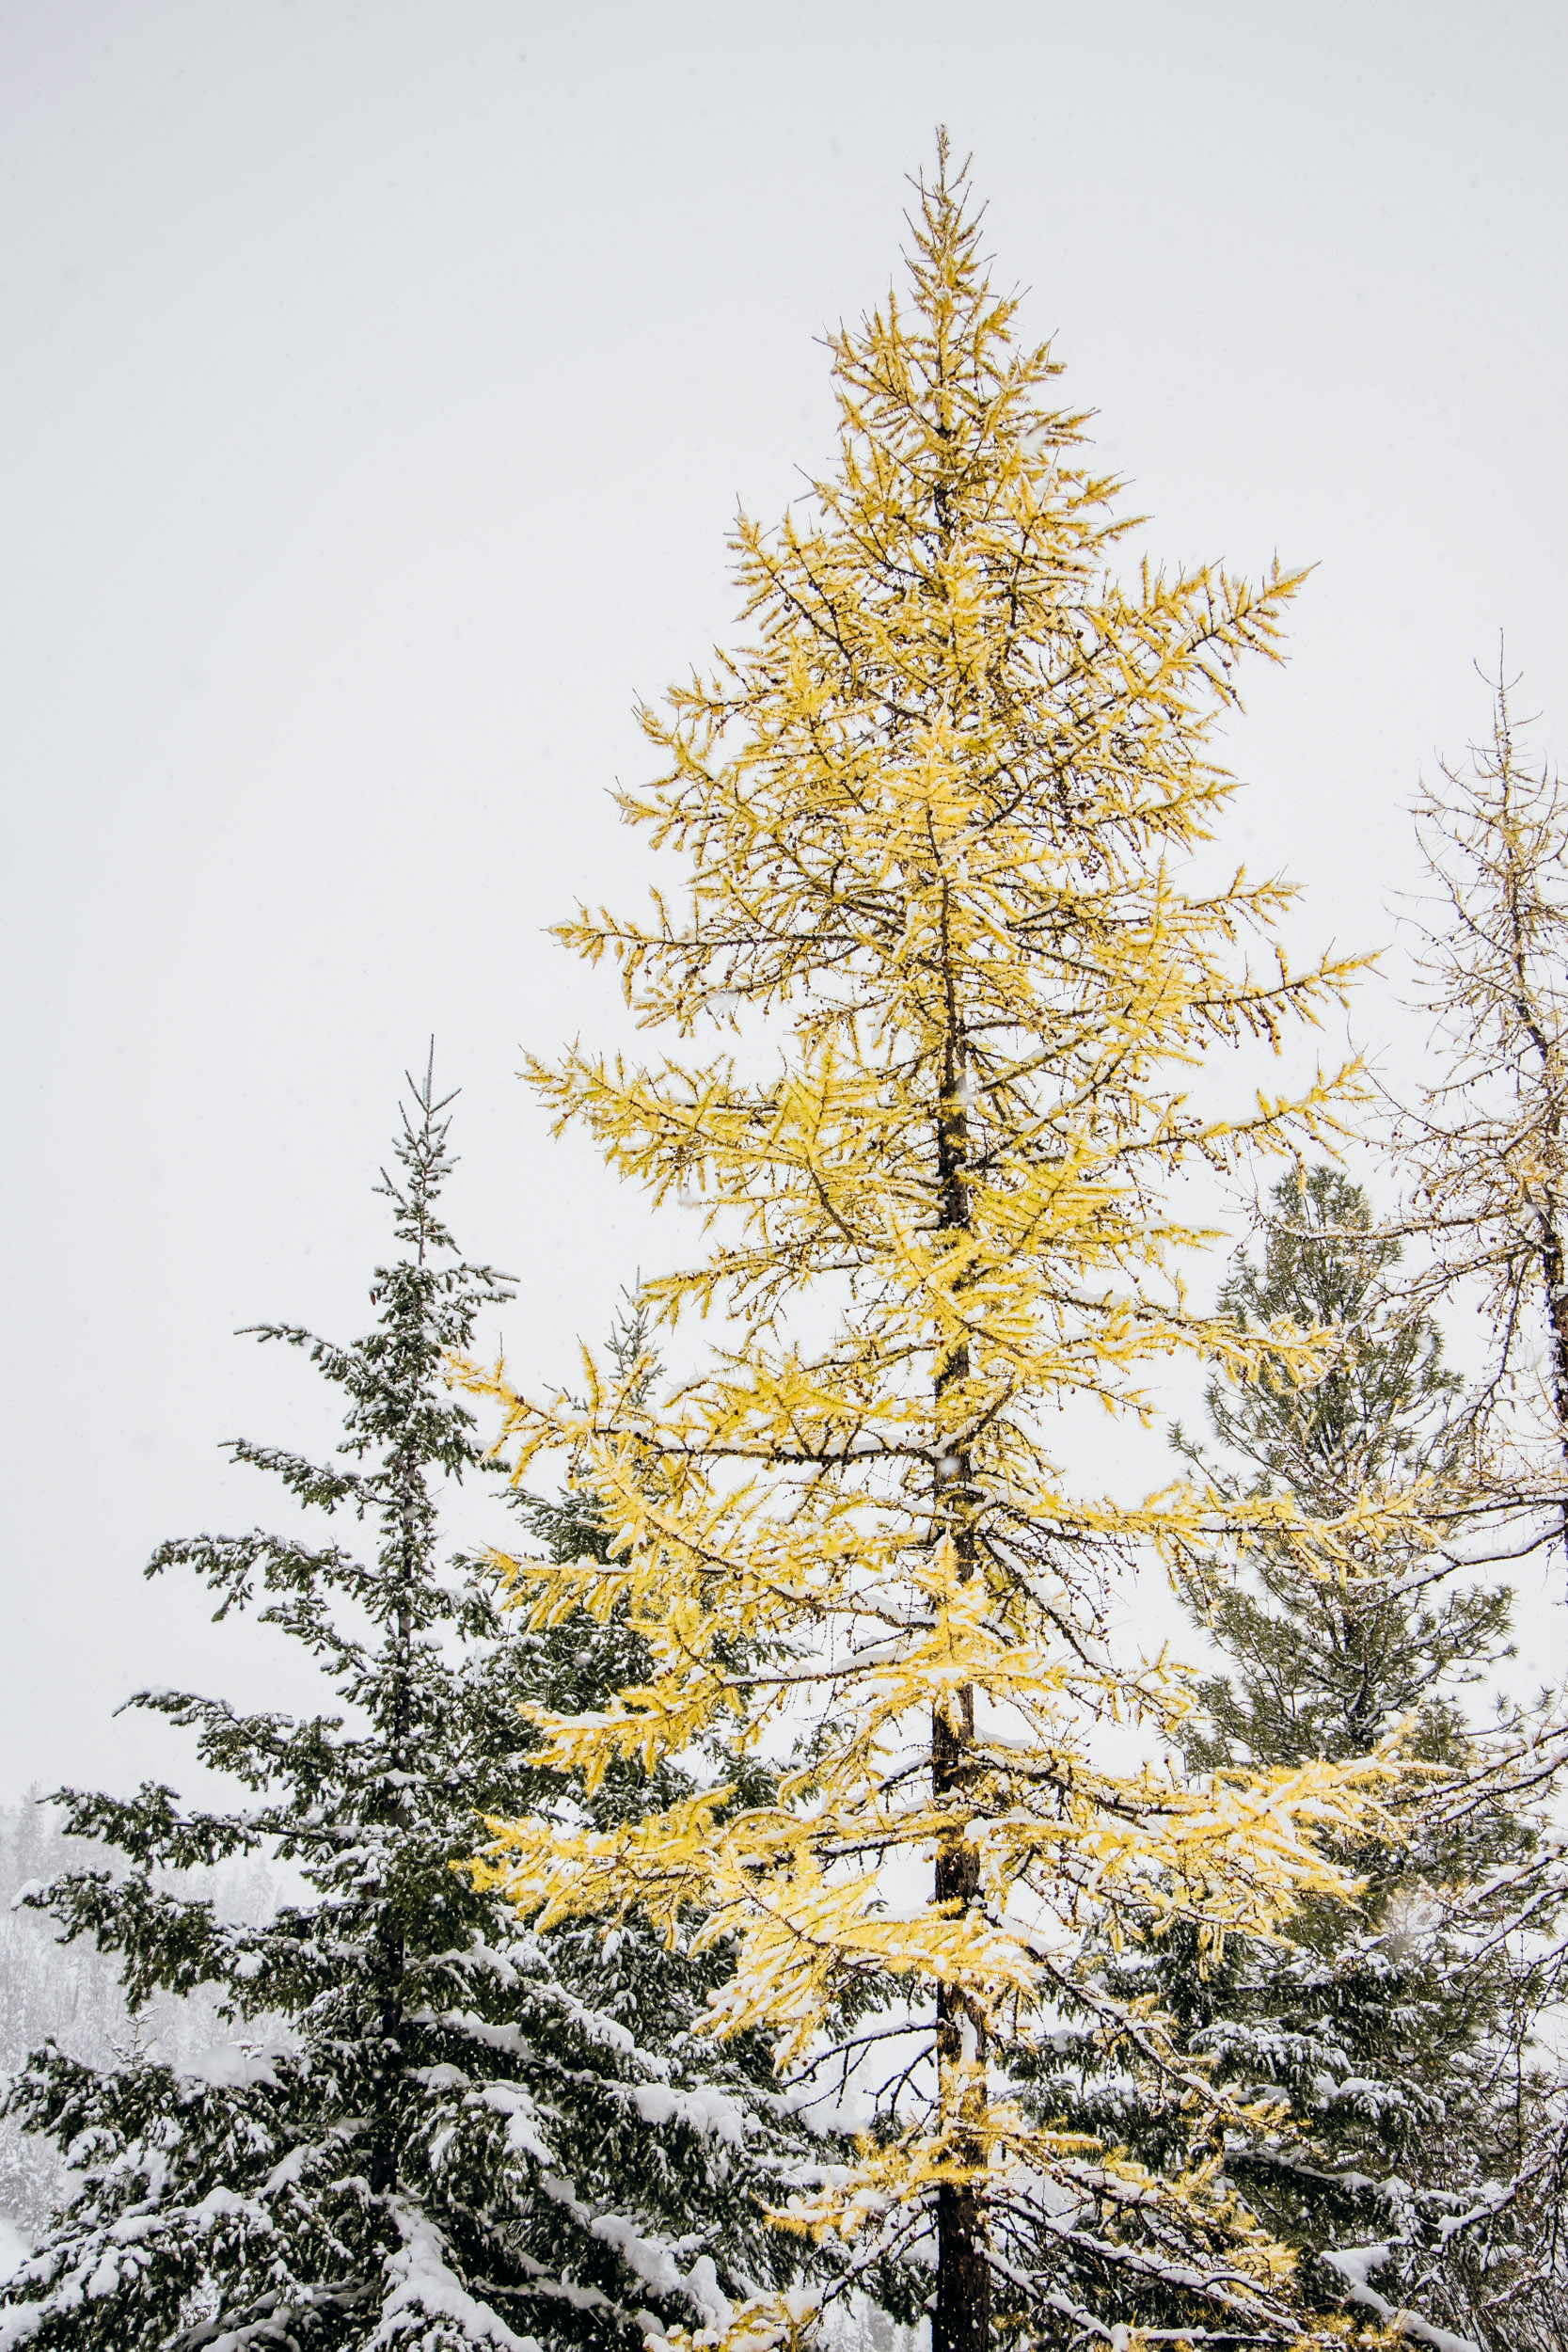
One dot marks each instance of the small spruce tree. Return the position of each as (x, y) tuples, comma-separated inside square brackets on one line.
[(1390, 2030), (1324, 1664), (433, 2129)]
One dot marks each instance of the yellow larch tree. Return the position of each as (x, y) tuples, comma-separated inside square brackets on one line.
[(939, 820)]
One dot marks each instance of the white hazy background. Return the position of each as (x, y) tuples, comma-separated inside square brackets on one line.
[(380, 385)]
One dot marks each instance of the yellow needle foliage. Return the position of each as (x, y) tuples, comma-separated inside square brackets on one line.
[(936, 819)]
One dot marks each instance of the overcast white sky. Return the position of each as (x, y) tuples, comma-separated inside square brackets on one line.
[(381, 381)]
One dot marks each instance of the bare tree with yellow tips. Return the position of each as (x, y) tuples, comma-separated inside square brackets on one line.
[(1488, 1144), (938, 821)]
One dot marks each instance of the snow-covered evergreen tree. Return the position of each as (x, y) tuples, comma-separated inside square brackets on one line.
[(464, 2133), (1390, 2035)]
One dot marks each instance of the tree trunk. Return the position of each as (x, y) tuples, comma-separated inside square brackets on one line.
[(1548, 1210), (960, 2319)]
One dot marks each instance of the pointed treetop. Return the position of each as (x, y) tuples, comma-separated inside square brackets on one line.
[(421, 1149)]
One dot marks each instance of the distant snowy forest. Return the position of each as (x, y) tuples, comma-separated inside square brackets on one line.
[(73, 1995)]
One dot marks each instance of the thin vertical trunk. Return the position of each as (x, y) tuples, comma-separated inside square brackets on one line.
[(410, 1487), (390, 1940), (1553, 1260), (960, 2321), (1551, 1238)]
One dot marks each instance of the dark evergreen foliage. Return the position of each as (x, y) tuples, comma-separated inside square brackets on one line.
[(1320, 1666), (1393, 2032), (433, 2129), (1375, 2095)]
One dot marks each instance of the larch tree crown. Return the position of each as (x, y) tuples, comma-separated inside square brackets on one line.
[(935, 817)]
